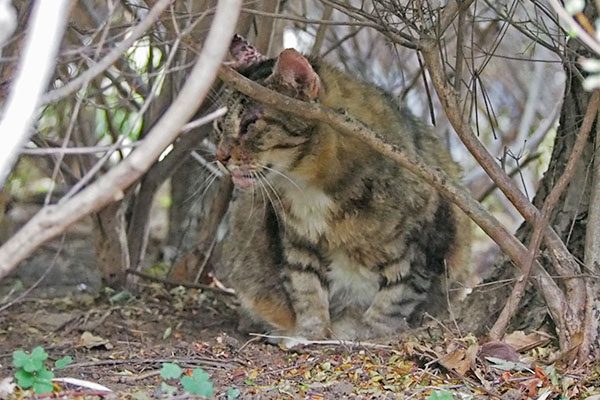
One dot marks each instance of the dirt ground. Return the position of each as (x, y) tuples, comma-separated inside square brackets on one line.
[(132, 336), (120, 341)]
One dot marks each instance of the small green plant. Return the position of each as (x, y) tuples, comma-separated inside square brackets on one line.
[(63, 362), (197, 383), (233, 394), (32, 372), (443, 395)]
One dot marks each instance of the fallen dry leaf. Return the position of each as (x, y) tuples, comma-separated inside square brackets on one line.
[(89, 341), (522, 342), (498, 349), (456, 361)]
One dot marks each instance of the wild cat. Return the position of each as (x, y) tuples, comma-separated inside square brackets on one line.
[(327, 237)]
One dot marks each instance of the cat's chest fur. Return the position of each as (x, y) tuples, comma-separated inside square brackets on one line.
[(309, 212)]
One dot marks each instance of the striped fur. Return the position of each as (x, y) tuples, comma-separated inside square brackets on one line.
[(327, 237)]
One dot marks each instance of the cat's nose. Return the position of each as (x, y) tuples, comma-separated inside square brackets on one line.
[(223, 155)]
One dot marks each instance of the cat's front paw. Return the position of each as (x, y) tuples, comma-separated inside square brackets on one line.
[(313, 332), (349, 328), (361, 328)]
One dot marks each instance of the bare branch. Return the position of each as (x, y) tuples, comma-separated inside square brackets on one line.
[(543, 219), (110, 58), (52, 220), (47, 26)]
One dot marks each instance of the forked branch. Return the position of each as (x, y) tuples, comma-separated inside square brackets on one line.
[(543, 218)]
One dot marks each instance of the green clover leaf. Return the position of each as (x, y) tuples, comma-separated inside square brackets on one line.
[(198, 383), (43, 386), (39, 354), (24, 379), (63, 362), (170, 371)]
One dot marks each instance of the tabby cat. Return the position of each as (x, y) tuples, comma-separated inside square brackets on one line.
[(327, 237)]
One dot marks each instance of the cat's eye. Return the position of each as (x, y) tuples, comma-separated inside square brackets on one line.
[(246, 123)]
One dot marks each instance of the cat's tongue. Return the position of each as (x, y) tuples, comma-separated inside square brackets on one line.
[(240, 180)]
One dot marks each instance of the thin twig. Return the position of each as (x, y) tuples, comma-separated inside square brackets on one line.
[(321, 31), (193, 361), (178, 283), (324, 21), (345, 343), (141, 28), (44, 151)]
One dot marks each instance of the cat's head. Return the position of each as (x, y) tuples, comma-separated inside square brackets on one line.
[(257, 140)]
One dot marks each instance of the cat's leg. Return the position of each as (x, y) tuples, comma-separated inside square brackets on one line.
[(306, 288), (251, 266), (387, 315), (391, 309), (309, 300)]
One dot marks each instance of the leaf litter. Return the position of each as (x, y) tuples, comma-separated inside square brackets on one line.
[(126, 350)]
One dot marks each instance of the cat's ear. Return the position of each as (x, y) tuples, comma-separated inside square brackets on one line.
[(244, 53), (294, 70)]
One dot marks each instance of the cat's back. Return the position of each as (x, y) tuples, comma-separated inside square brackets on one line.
[(400, 189), (383, 114)]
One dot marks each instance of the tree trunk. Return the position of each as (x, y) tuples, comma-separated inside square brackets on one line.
[(569, 219)]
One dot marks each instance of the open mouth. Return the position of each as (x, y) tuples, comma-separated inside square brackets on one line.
[(242, 180)]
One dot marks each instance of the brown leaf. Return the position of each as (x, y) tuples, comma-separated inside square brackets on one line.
[(522, 342), (456, 361), (472, 352), (498, 349), (89, 341)]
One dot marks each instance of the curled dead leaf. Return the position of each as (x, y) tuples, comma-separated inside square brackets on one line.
[(498, 349)]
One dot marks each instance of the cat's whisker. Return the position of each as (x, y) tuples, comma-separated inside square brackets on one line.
[(266, 180), (202, 187), (209, 165), (269, 197), (214, 178), (252, 194), (282, 174)]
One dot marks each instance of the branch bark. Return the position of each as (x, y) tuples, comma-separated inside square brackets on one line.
[(47, 26), (590, 345), (52, 220)]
